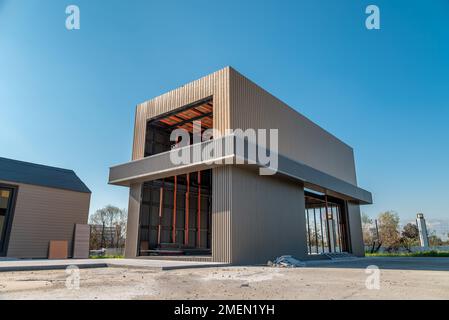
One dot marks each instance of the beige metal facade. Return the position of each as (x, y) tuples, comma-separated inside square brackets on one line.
[(254, 218), (42, 214)]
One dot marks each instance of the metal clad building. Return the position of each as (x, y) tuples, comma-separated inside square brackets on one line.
[(229, 212)]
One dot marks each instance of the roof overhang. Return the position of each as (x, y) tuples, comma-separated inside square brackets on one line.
[(224, 151)]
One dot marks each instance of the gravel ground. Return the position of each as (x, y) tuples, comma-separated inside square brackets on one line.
[(227, 283)]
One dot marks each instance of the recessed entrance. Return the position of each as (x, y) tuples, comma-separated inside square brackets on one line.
[(326, 224)]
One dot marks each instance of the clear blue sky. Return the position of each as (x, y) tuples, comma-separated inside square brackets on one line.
[(67, 98)]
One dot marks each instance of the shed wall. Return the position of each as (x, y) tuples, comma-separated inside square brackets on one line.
[(42, 214)]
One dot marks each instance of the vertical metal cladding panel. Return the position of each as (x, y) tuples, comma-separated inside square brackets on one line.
[(132, 232), (221, 214), (267, 217), (42, 214), (355, 229), (215, 84), (299, 138)]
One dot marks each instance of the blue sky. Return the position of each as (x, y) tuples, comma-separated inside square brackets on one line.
[(67, 98)]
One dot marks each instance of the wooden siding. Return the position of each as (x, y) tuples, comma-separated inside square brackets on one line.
[(43, 214)]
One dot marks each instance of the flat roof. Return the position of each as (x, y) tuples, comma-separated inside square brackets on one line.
[(40, 175)]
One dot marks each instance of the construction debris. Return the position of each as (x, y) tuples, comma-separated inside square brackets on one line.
[(286, 262)]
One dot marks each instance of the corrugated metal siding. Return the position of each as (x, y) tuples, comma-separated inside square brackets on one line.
[(299, 138), (132, 231), (267, 217), (215, 84), (221, 214), (43, 214), (250, 224)]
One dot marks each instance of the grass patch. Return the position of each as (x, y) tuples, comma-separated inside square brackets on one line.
[(106, 257), (432, 253)]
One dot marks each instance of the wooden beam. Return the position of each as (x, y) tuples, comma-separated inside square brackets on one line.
[(189, 120), (186, 219), (174, 210), (161, 200), (198, 216)]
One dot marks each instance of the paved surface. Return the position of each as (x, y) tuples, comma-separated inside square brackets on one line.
[(43, 264), (393, 263), (399, 278)]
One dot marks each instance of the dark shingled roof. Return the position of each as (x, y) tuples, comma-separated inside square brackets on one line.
[(36, 174)]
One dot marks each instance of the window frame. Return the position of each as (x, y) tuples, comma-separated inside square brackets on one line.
[(9, 217)]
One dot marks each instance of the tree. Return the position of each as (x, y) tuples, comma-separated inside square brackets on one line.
[(434, 240), (108, 227), (366, 220), (410, 236), (367, 228), (389, 230), (370, 233)]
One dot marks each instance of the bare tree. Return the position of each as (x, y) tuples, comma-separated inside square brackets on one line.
[(434, 239), (108, 227), (367, 224), (370, 231)]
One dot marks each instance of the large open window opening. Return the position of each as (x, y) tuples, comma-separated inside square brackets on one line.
[(326, 224), (175, 217), (159, 129)]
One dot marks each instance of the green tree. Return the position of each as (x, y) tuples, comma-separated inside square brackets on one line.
[(434, 240), (389, 230), (410, 236)]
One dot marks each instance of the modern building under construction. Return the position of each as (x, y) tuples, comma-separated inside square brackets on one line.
[(228, 212)]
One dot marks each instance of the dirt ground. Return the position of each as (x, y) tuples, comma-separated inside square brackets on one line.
[(228, 283)]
